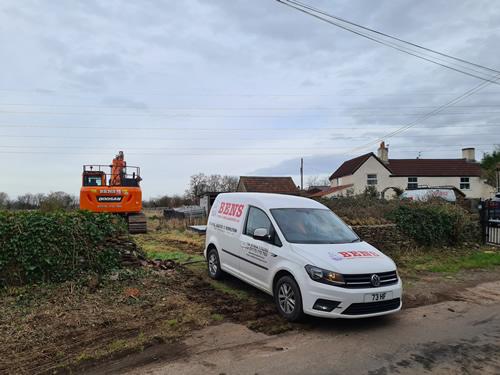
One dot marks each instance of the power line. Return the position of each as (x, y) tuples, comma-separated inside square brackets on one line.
[(240, 138), (306, 9), (233, 109), (431, 114), (366, 128), (204, 154), (243, 116), (260, 95), (411, 148)]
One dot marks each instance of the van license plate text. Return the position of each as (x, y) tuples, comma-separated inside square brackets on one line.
[(377, 297)]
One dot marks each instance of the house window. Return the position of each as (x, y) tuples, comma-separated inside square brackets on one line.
[(464, 183), (412, 183), (339, 181), (371, 179)]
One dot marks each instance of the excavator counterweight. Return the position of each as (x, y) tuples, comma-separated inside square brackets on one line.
[(116, 189)]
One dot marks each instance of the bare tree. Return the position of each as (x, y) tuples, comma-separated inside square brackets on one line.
[(201, 184), (4, 200), (58, 201), (229, 183), (26, 202), (197, 185), (317, 181)]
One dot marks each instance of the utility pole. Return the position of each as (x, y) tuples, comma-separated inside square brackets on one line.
[(301, 174)]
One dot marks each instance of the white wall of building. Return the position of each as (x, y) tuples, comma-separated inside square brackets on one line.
[(476, 187)]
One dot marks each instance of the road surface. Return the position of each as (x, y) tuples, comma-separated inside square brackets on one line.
[(456, 337)]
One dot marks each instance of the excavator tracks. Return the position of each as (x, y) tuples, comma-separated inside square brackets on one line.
[(137, 223)]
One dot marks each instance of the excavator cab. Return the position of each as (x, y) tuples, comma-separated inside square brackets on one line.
[(94, 178)]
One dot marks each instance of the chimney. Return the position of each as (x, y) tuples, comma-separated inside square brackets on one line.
[(469, 154), (383, 153)]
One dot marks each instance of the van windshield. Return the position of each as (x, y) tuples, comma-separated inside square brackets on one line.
[(312, 226)]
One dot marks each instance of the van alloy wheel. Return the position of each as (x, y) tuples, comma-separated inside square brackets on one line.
[(288, 299), (213, 265)]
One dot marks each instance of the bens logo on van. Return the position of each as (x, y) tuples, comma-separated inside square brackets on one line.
[(231, 209), (341, 255)]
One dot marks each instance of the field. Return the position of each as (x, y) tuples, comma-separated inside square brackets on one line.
[(71, 328)]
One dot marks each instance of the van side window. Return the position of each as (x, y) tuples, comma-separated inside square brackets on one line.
[(258, 219)]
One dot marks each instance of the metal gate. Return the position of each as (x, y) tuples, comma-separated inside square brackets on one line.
[(490, 220)]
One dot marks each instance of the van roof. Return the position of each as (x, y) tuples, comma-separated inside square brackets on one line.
[(270, 201)]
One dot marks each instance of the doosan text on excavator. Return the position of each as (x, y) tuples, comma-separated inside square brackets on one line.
[(117, 191)]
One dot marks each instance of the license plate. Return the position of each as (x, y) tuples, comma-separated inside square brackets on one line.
[(377, 297)]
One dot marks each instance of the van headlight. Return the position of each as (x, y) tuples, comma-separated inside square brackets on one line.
[(324, 276)]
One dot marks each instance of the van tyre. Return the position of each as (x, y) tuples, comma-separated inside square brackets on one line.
[(213, 264), (288, 299)]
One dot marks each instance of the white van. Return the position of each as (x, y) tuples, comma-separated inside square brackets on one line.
[(425, 194), (299, 251)]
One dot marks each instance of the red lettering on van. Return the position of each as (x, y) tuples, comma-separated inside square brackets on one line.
[(359, 254), (231, 209)]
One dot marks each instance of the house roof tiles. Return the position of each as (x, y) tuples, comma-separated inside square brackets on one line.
[(329, 191), (414, 167), (434, 167), (350, 166), (279, 185)]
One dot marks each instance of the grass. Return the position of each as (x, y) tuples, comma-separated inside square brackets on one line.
[(229, 289), (481, 260), (217, 317), (445, 260), (176, 256)]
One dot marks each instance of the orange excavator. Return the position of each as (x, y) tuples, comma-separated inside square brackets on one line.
[(117, 191)]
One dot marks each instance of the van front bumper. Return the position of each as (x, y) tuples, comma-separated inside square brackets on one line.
[(329, 301)]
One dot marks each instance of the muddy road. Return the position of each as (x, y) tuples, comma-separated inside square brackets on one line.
[(461, 336)]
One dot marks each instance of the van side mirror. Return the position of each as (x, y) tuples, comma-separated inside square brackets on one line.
[(261, 234)]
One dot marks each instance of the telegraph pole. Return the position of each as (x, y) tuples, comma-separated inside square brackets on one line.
[(301, 174)]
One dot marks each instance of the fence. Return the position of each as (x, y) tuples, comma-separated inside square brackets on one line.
[(490, 220)]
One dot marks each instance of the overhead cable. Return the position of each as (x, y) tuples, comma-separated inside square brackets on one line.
[(317, 13)]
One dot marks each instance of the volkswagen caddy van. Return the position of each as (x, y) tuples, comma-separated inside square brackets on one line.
[(300, 252)]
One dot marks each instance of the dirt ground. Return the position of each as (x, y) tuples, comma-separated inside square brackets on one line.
[(80, 328)]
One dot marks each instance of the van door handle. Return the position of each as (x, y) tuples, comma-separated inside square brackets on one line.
[(273, 255)]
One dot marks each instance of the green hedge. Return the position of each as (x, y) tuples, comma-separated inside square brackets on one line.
[(56, 247), (436, 224)]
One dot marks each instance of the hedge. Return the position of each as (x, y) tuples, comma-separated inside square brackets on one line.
[(56, 247)]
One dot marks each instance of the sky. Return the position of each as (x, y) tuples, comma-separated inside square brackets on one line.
[(239, 88)]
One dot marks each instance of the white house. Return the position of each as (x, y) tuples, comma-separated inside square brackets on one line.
[(354, 175)]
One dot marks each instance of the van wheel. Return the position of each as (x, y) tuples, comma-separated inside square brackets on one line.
[(213, 264), (288, 299)]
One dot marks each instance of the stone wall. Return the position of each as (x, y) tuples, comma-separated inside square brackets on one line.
[(386, 238)]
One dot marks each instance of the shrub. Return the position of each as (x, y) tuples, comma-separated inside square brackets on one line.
[(361, 208), (432, 223), (435, 223), (56, 247)]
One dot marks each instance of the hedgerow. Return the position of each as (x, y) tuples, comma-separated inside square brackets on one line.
[(436, 224), (56, 247), (433, 223)]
